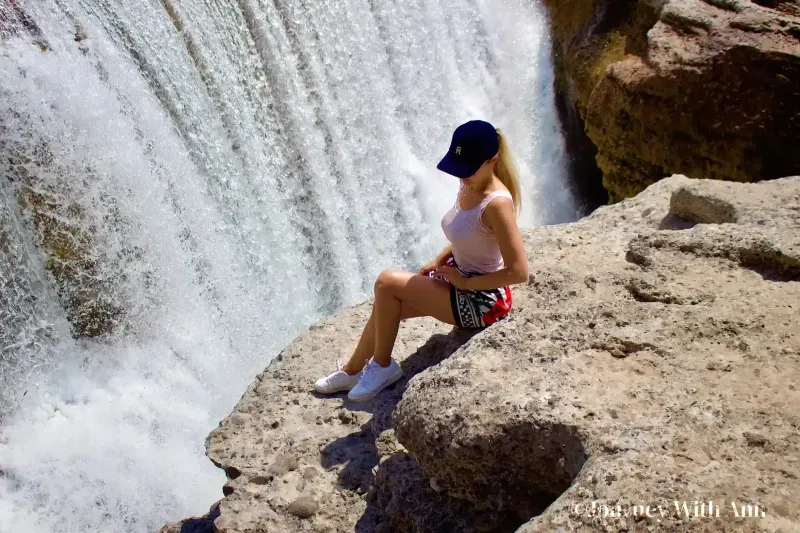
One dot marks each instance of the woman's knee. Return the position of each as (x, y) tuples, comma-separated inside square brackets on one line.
[(388, 280)]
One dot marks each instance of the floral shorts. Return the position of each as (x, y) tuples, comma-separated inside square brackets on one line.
[(478, 309)]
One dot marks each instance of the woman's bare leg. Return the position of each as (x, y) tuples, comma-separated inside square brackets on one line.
[(398, 295), (366, 343)]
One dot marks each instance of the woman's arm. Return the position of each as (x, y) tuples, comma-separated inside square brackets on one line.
[(499, 217)]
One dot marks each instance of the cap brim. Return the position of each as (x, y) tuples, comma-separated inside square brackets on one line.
[(456, 167)]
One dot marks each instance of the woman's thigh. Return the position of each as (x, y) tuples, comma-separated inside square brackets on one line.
[(420, 295)]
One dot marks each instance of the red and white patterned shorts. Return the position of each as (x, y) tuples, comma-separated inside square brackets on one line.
[(481, 308)]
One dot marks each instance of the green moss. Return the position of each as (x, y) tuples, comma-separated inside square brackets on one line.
[(582, 51), (69, 260), (591, 61)]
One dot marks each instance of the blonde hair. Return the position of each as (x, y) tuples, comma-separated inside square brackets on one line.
[(506, 170)]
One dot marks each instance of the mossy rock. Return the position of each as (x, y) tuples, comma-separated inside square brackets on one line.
[(67, 244)]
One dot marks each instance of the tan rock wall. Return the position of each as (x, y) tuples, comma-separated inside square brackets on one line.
[(704, 88)]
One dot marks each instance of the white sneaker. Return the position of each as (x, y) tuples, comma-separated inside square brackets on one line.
[(337, 381), (375, 378)]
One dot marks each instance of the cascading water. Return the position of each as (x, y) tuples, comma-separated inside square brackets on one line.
[(204, 179)]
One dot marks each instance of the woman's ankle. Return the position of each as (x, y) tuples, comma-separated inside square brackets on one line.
[(349, 370)]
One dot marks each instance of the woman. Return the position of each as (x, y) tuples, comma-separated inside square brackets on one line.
[(467, 284)]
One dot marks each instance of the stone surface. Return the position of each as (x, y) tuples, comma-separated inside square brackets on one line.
[(706, 88), (653, 356), (303, 507), (285, 442), (654, 359)]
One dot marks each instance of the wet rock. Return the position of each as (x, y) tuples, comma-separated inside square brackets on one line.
[(92, 306)]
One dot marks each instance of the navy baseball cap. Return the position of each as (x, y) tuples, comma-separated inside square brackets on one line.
[(473, 143)]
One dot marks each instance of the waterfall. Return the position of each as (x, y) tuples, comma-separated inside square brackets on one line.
[(186, 185)]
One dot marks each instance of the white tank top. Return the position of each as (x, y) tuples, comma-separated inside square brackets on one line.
[(475, 247)]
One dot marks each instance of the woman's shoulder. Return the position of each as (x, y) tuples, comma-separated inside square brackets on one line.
[(498, 189), (495, 206), (494, 194)]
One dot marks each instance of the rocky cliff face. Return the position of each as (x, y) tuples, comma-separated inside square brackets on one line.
[(706, 88), (653, 357)]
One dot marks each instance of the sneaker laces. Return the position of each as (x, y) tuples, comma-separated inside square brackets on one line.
[(330, 377), (339, 368), (369, 372)]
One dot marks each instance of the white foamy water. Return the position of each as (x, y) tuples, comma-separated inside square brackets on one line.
[(239, 169)]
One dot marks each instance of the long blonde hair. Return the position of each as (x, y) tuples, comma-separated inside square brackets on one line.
[(506, 170)]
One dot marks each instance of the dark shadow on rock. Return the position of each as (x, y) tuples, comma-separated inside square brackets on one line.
[(585, 179), (357, 451), (672, 222), (408, 502), (770, 262), (358, 454), (523, 468), (204, 524), (528, 482), (321, 396)]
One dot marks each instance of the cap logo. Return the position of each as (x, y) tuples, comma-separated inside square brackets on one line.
[(458, 150)]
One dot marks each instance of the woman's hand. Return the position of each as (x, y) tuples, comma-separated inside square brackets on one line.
[(453, 276), (428, 268), (438, 261)]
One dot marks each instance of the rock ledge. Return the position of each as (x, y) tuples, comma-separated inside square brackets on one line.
[(653, 357)]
